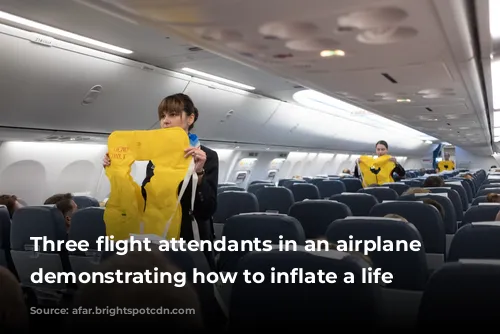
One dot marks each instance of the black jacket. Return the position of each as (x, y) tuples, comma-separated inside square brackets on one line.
[(206, 197)]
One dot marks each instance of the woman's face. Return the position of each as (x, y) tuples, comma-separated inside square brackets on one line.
[(381, 150), (172, 120)]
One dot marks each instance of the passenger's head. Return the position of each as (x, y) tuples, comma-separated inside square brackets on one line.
[(65, 204), (435, 204), (413, 191), (11, 202), (434, 182), (135, 295), (447, 156), (346, 171), (177, 110), (468, 176), (493, 198), (381, 148), (13, 310), (395, 216)]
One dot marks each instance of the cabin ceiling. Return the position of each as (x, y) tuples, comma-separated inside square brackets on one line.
[(404, 49)]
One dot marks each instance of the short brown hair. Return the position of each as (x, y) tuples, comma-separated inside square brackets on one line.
[(176, 104), (493, 198), (434, 182), (395, 216), (10, 202), (61, 201), (413, 191), (435, 204)]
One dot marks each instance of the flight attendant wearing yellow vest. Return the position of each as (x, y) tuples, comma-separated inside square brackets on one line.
[(178, 111), (386, 167), (445, 164)]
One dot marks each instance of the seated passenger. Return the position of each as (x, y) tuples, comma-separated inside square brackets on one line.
[(435, 204), (134, 295), (468, 176), (13, 310), (395, 216), (434, 182), (65, 204), (382, 148), (345, 172), (415, 190), (11, 202), (333, 246), (493, 198)]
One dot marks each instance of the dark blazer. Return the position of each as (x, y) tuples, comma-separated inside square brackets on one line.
[(206, 198)]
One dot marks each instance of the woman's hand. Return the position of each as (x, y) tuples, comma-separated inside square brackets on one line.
[(106, 161), (199, 157), (393, 160)]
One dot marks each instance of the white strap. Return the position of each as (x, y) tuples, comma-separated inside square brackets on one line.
[(194, 223), (185, 183)]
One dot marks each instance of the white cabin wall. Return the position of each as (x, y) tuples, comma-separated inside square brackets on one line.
[(472, 161), (262, 166), (35, 171)]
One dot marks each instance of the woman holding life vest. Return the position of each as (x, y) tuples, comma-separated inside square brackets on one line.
[(179, 111), (385, 171)]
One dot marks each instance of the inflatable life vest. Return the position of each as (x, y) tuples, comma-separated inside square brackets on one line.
[(126, 212), (376, 171), (445, 165)]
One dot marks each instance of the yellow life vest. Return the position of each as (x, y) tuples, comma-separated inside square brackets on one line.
[(125, 212), (446, 165), (376, 171)]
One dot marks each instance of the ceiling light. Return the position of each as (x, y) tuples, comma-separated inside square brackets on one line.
[(427, 142), (59, 32), (216, 78), (403, 100), (331, 53)]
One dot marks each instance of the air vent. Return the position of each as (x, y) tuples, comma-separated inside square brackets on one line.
[(388, 77), (195, 49), (253, 154), (429, 109), (298, 86), (54, 138), (283, 155)]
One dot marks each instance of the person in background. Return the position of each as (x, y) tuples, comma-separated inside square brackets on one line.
[(468, 176), (381, 149), (413, 191), (434, 182), (493, 198), (435, 204), (446, 164), (138, 296), (13, 310), (395, 216), (11, 202), (66, 204)]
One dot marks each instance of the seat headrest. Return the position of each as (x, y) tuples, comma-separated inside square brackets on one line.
[(36, 221)]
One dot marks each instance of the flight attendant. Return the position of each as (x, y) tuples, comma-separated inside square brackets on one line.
[(445, 164), (178, 110), (381, 149)]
